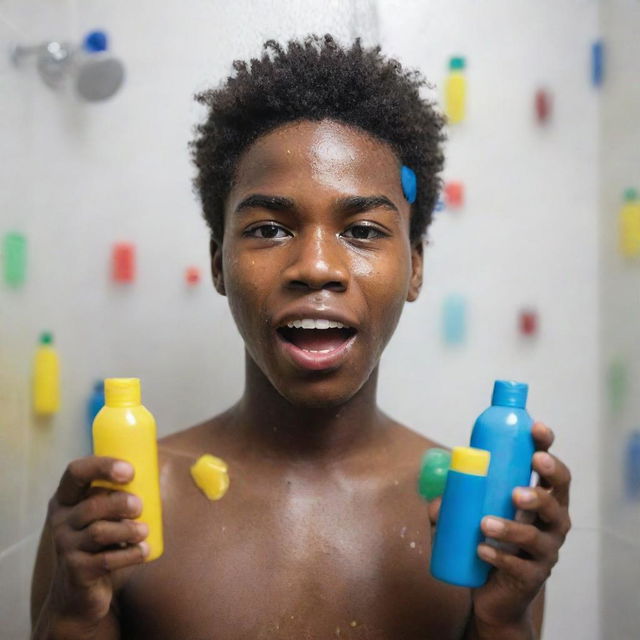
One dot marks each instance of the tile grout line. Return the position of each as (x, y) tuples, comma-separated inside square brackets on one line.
[(10, 24), (16, 545)]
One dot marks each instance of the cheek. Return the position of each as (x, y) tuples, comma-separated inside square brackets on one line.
[(243, 289), (385, 285)]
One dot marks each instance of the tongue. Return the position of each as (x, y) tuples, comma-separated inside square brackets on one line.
[(317, 339)]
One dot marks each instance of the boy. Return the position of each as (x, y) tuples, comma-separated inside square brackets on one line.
[(316, 240)]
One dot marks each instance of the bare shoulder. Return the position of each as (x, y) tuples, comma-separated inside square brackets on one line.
[(408, 442), (399, 453), (192, 440), (178, 451)]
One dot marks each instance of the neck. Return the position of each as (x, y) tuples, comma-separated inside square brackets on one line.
[(266, 420)]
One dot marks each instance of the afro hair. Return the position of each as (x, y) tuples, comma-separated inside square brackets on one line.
[(317, 79)]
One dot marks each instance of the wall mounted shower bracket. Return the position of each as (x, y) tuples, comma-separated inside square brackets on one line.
[(96, 73)]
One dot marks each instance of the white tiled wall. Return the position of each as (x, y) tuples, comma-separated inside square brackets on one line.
[(620, 308), (77, 178)]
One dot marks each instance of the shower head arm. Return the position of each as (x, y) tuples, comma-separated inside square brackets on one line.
[(55, 50)]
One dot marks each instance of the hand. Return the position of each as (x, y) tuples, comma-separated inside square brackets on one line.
[(93, 534), (505, 598)]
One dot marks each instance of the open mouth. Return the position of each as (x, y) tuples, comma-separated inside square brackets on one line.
[(317, 340)]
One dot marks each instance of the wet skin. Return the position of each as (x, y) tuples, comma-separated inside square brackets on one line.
[(321, 533)]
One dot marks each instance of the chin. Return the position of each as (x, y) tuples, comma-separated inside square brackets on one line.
[(310, 395)]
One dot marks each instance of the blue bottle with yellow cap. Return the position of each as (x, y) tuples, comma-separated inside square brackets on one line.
[(454, 556), (504, 430)]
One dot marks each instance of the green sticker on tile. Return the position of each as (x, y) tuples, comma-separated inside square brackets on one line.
[(14, 251), (617, 385)]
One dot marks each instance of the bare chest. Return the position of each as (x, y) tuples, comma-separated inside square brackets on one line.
[(297, 565)]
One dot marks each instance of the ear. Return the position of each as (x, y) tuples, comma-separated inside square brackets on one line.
[(415, 284), (215, 251)]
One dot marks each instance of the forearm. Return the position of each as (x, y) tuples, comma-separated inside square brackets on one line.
[(51, 625), (479, 630)]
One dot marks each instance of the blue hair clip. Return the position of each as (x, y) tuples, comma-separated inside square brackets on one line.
[(409, 183)]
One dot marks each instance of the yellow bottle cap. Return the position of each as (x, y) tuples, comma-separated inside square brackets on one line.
[(470, 460), (122, 392)]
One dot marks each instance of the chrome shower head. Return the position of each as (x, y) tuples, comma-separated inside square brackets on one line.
[(98, 77), (96, 73)]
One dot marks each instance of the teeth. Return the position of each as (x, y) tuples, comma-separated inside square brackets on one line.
[(310, 323)]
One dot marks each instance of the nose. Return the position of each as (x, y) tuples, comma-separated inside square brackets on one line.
[(317, 262)]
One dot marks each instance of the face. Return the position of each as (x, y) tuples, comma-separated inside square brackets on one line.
[(317, 228)]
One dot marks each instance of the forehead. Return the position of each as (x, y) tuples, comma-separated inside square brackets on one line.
[(326, 152)]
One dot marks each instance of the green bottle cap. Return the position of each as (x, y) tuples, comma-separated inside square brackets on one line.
[(457, 63), (630, 194), (46, 337), (433, 473)]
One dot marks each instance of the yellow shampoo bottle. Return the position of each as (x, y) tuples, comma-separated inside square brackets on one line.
[(630, 224), (126, 430), (455, 91), (46, 377)]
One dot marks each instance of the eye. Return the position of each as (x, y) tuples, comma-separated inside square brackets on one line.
[(364, 232), (266, 231)]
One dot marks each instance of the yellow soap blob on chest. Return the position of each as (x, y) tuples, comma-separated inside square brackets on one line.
[(210, 475)]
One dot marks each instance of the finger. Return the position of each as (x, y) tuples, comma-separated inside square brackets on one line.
[(105, 533), (113, 560), (433, 509), (529, 574), (555, 474), (541, 502), (88, 567), (80, 473), (116, 505), (526, 537), (542, 435)]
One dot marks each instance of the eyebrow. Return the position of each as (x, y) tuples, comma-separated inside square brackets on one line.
[(348, 205)]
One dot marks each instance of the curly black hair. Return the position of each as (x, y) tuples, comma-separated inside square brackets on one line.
[(317, 79)]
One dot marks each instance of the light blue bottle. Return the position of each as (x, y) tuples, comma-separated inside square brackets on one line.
[(94, 404), (454, 556), (632, 466), (504, 430)]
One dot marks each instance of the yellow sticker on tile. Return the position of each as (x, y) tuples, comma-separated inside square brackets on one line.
[(210, 475)]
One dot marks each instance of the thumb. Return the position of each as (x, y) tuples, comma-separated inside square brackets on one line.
[(433, 509)]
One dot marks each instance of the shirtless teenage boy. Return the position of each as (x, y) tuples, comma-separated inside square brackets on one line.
[(322, 533)]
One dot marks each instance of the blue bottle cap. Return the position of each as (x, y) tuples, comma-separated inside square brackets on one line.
[(509, 393), (96, 41)]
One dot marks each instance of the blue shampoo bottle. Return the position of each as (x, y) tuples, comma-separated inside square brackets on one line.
[(504, 430), (94, 404), (454, 556)]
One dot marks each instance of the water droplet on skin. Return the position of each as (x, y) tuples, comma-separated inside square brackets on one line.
[(403, 531), (353, 623)]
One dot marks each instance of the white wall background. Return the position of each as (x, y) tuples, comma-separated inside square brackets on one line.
[(79, 177), (620, 312)]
